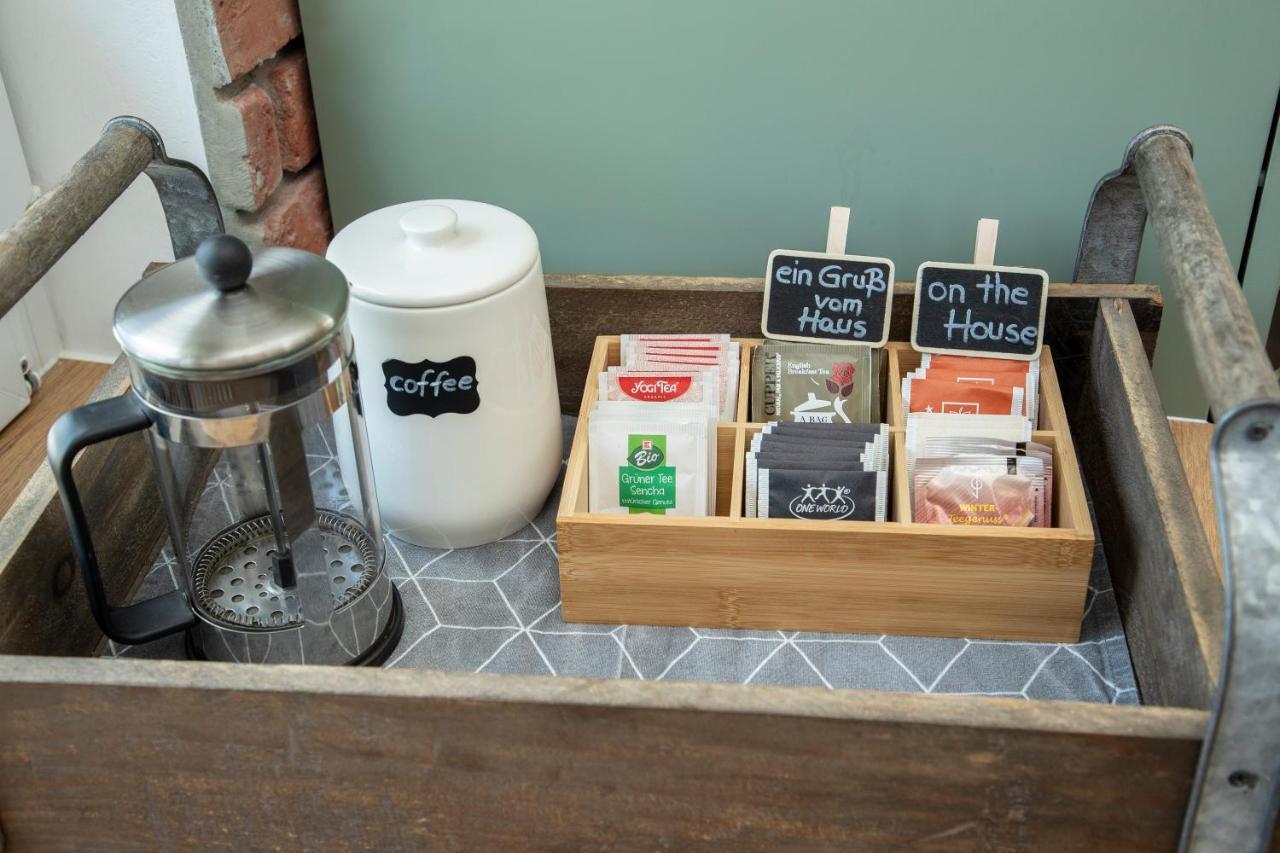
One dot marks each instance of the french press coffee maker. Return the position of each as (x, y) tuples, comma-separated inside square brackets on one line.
[(243, 383)]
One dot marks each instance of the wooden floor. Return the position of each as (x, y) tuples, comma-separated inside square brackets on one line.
[(64, 386)]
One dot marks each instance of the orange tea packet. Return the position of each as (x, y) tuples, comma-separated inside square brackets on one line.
[(929, 361), (1019, 377), (929, 394)]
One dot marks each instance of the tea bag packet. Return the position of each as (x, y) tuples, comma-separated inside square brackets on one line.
[(762, 377), (845, 448), (970, 362), (692, 344), (818, 433), (816, 383), (757, 462), (687, 352), (981, 491), (729, 402), (928, 466), (962, 446), (871, 440), (845, 439), (967, 370), (974, 496), (970, 459), (630, 412), (874, 447), (648, 465), (661, 386), (862, 462), (822, 494), (923, 426), (823, 431), (1010, 383), (927, 394), (813, 383)]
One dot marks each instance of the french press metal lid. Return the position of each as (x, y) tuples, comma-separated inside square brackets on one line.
[(244, 387)]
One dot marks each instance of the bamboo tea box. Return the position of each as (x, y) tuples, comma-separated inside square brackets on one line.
[(863, 577)]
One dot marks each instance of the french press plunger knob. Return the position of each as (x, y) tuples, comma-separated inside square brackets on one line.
[(224, 262)]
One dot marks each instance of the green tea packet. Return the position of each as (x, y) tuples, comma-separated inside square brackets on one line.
[(642, 466), (815, 383), (656, 458)]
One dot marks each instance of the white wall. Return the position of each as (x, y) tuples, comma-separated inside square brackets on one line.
[(68, 67), (18, 344), (30, 329)]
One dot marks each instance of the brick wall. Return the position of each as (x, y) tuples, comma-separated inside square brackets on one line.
[(249, 76)]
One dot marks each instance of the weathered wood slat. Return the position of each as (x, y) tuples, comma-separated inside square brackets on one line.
[(583, 307), (173, 756), (1163, 570), (57, 219), (1226, 346), (1194, 440)]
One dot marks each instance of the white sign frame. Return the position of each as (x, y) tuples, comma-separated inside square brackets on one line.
[(992, 268), (891, 276)]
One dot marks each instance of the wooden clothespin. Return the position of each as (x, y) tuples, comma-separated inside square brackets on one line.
[(984, 245), (837, 230)]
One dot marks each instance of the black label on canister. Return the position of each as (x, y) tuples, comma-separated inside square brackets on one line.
[(432, 388)]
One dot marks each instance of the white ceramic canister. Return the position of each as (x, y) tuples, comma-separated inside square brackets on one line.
[(457, 379)]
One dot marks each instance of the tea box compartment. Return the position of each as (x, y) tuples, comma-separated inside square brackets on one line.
[(862, 577)]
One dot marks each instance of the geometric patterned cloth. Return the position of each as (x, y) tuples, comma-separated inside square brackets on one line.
[(496, 608)]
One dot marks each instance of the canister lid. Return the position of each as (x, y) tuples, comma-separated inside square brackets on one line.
[(428, 254), (226, 312)]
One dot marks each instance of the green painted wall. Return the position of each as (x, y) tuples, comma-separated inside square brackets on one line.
[(1262, 275), (695, 136)]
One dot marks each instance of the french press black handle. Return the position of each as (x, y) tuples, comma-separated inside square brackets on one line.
[(71, 433)]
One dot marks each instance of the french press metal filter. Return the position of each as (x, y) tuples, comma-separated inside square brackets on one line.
[(242, 379)]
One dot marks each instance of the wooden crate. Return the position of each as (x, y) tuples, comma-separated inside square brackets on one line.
[(352, 759), (862, 577)]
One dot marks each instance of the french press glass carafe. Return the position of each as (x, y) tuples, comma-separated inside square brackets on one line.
[(243, 381)]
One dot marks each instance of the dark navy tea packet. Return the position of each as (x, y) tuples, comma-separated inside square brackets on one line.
[(822, 494)]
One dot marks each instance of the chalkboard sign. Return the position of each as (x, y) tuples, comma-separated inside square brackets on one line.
[(991, 311), (840, 299)]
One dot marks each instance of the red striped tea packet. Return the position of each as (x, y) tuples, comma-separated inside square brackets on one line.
[(695, 385), (674, 352)]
